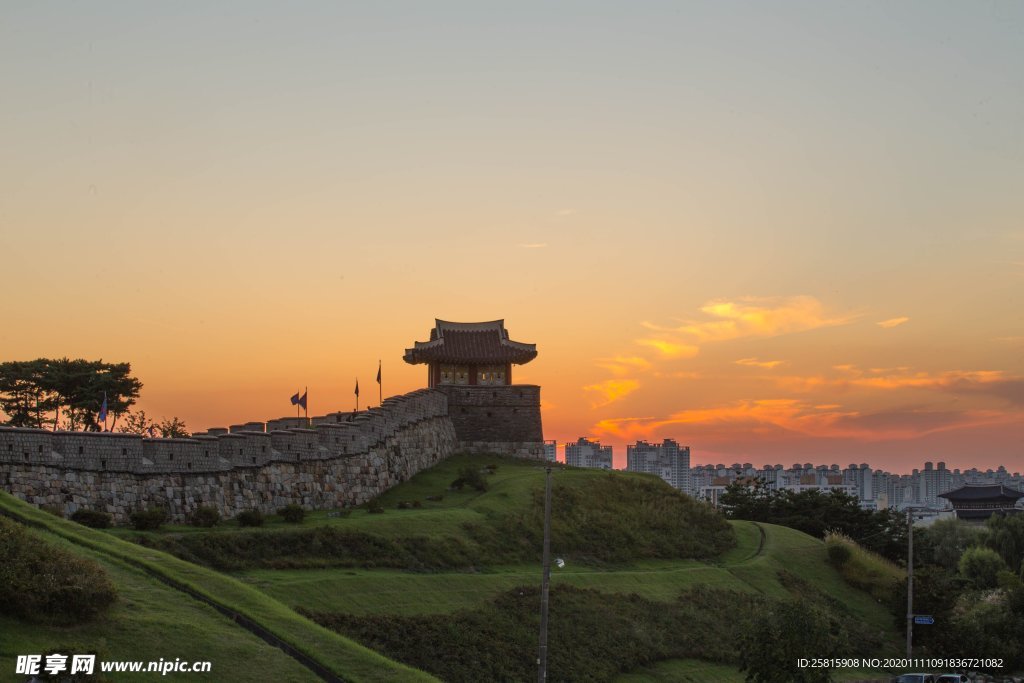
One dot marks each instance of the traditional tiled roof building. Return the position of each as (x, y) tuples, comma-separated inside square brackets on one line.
[(472, 364), (978, 503), (470, 354)]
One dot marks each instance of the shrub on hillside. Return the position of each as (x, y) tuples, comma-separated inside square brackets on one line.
[(250, 518), (838, 553), (293, 514), (148, 520), (862, 568), (97, 519), (205, 516), (374, 507), (470, 476), (43, 582)]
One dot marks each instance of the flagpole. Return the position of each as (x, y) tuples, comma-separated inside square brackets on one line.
[(296, 405), (305, 395), (380, 384)]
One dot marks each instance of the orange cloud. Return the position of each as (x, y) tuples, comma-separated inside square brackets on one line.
[(892, 322), (925, 380), (623, 365), (756, 317), (755, 363), (991, 382), (611, 390), (669, 348)]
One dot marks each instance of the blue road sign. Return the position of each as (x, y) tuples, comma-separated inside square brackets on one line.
[(924, 619)]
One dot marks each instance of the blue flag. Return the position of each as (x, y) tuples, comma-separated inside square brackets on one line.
[(103, 408), (295, 399), (302, 401)]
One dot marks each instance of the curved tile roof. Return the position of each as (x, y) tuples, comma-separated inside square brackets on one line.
[(992, 491), (482, 342)]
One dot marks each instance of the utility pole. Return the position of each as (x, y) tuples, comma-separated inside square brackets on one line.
[(542, 656), (910, 580)]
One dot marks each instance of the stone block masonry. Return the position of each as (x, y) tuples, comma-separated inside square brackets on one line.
[(342, 461), (497, 419)]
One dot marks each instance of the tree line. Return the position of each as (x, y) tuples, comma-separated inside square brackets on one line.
[(65, 393)]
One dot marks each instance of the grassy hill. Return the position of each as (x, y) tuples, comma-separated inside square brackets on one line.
[(446, 581), (435, 559), (166, 609)]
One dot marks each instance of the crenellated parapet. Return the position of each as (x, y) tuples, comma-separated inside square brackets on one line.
[(330, 461), (252, 444)]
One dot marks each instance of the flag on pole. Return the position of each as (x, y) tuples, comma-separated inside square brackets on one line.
[(378, 372), (295, 399), (357, 388), (103, 408), (302, 401)]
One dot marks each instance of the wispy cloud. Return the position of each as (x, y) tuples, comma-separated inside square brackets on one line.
[(624, 365), (669, 348), (754, 317), (995, 383), (533, 245), (755, 363), (892, 322), (611, 390)]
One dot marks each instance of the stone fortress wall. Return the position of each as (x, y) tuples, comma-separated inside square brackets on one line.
[(497, 419), (337, 460)]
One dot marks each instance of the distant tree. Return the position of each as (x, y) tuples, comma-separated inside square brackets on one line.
[(944, 542), (172, 428), (935, 592), (980, 566), (1006, 537), (136, 422), (776, 636), (71, 390), (23, 397)]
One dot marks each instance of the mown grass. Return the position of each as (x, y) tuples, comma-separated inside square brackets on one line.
[(346, 658), (743, 568), (150, 621)]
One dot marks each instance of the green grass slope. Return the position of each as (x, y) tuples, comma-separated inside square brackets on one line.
[(137, 566)]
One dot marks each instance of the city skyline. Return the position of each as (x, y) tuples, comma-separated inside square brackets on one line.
[(786, 234)]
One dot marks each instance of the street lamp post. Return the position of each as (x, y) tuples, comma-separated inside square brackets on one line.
[(542, 655)]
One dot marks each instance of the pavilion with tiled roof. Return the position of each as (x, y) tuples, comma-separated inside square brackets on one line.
[(978, 503), (470, 354)]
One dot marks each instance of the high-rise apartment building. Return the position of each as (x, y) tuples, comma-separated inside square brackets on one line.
[(668, 460)]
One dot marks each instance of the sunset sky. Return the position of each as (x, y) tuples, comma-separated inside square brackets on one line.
[(777, 232)]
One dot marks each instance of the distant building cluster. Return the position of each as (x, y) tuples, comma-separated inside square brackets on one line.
[(876, 489), (587, 453)]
